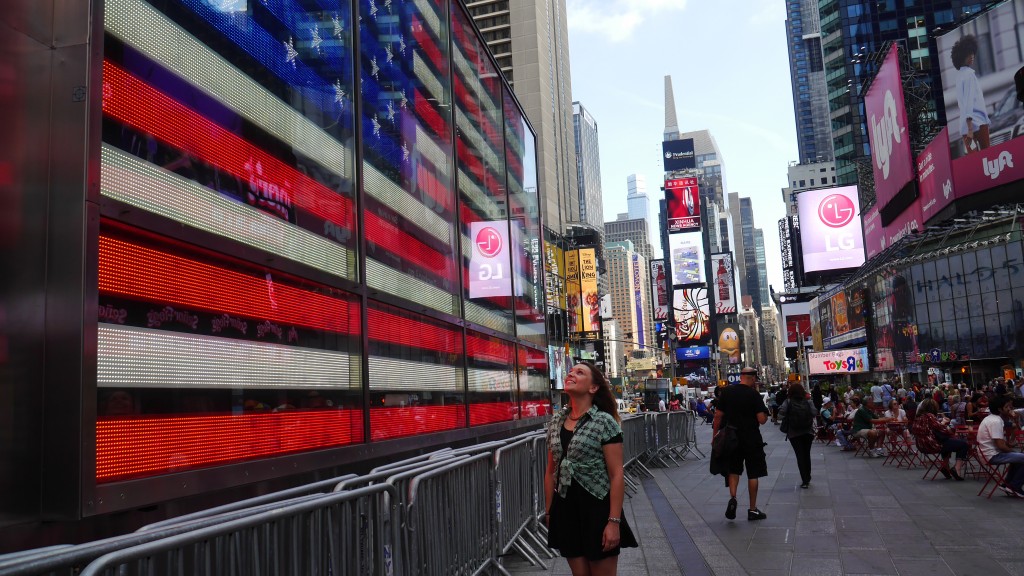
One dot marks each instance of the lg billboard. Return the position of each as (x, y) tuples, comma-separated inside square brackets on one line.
[(682, 200), (978, 61), (830, 230)]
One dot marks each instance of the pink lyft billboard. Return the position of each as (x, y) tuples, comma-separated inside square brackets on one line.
[(891, 156), (935, 177), (978, 61), (830, 229), (874, 233)]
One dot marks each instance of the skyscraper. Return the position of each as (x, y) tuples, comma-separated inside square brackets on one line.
[(530, 42), (807, 71), (588, 167), (636, 230), (627, 274), (637, 202)]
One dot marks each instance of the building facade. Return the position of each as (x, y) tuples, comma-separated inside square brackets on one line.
[(588, 167), (636, 230), (807, 73), (630, 290)]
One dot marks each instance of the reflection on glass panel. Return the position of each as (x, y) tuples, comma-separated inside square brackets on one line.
[(528, 269), (949, 337), (971, 281), (492, 379), (1013, 266), (985, 274), (417, 382), (409, 202), (1004, 301), (533, 390), (947, 309), (198, 352), (956, 275), (993, 332), (944, 287), (480, 162), (259, 153)]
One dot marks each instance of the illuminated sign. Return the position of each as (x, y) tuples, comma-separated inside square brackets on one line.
[(830, 230), (678, 155), (851, 361), (887, 130), (723, 284), (693, 316), (682, 201), (588, 286), (659, 289), (693, 353), (638, 294), (489, 265), (687, 258)]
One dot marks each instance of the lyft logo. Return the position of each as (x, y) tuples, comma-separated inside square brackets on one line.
[(947, 188), (883, 133), (994, 167)]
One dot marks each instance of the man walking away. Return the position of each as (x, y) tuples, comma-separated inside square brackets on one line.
[(742, 407)]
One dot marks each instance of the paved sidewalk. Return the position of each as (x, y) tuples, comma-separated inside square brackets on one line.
[(858, 517)]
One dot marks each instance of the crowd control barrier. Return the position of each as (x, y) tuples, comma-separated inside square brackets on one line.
[(514, 495), (451, 519)]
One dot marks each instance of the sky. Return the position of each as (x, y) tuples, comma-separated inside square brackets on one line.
[(730, 75)]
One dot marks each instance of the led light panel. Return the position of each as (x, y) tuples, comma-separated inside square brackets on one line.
[(408, 421), (395, 374), (492, 412)]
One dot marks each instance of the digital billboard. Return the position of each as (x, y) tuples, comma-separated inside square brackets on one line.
[(830, 229), (978, 61), (935, 176), (573, 292), (723, 283), (682, 201), (489, 273), (849, 361), (678, 155), (693, 315), (874, 232), (796, 318), (891, 156), (729, 342), (687, 258), (659, 290), (907, 222), (693, 353), (591, 304), (637, 272)]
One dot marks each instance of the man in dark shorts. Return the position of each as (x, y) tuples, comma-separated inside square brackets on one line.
[(742, 406)]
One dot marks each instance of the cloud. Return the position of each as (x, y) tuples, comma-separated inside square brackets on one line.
[(616, 20)]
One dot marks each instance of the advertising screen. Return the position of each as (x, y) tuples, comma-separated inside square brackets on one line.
[(729, 342), (638, 298), (588, 286), (723, 283), (874, 232), (935, 176), (682, 199), (489, 273), (830, 229), (693, 315), (678, 155), (573, 291), (797, 320), (687, 253), (978, 61), (693, 353), (909, 221), (850, 361), (891, 157), (659, 290)]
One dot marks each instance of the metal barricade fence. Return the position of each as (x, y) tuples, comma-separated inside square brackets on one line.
[(514, 496), (539, 463), (338, 533), (451, 519)]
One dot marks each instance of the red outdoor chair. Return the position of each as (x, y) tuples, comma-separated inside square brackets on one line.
[(994, 474), (931, 460), (901, 449)]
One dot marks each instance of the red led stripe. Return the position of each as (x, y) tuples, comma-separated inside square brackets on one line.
[(433, 186), (127, 269), (492, 412), (533, 408), (424, 41), (398, 422), (389, 236), (485, 349), (148, 445), (135, 103), (427, 113), (395, 329)]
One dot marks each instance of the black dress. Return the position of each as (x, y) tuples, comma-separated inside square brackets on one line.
[(576, 523)]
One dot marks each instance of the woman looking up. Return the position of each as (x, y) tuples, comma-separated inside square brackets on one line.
[(584, 482)]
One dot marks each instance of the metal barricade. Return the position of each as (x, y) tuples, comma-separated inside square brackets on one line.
[(274, 497), (470, 450), (634, 446), (514, 511), (338, 533), (665, 448), (386, 473), (690, 436), (407, 461), (451, 519), (539, 465)]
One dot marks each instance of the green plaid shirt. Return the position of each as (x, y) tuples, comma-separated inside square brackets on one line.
[(584, 458)]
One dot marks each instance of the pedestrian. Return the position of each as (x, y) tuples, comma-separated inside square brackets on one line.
[(798, 423), (661, 405), (741, 407), (780, 399), (993, 445), (816, 395), (584, 484)]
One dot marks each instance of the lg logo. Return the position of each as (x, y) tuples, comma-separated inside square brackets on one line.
[(488, 242), (836, 210), (884, 131)]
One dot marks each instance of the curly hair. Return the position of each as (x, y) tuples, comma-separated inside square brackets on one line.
[(603, 398), (962, 49)]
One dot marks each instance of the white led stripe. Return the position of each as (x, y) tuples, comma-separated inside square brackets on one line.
[(150, 32), (476, 138), (426, 77), (385, 278), (388, 193), (481, 380), (429, 149), (536, 383), (395, 374), (426, 11), (129, 356), (489, 318), (134, 181), (483, 205)]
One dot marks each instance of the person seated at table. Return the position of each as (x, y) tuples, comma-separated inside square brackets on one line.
[(864, 420), (972, 407), (826, 412), (895, 413), (983, 409), (993, 445), (933, 435), (843, 431), (958, 410)]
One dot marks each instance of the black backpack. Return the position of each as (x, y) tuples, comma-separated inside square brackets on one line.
[(799, 416)]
